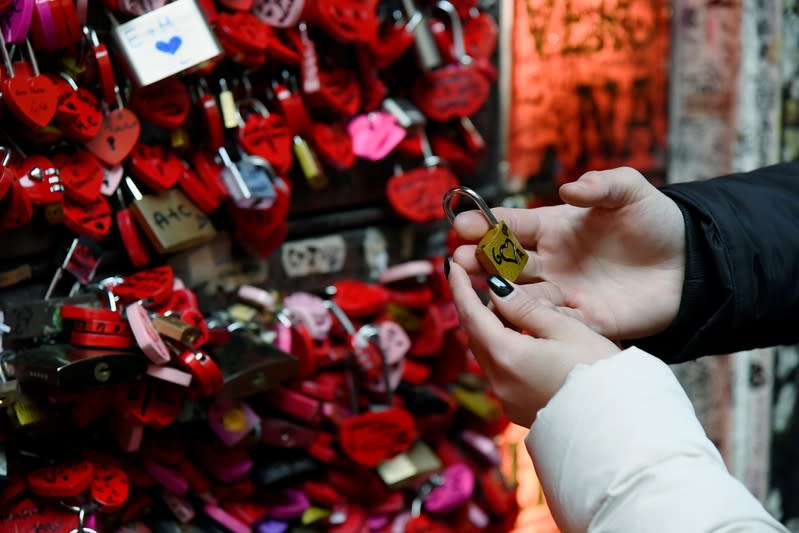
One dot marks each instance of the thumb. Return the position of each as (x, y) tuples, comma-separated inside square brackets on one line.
[(607, 188), (526, 308)]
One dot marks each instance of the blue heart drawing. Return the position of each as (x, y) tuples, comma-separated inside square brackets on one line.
[(171, 46)]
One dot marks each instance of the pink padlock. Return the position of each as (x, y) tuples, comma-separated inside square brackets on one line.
[(394, 343), (375, 135), (231, 421), (310, 310), (478, 517), (168, 478), (172, 375), (229, 473), (128, 431), (146, 335), (457, 487), (112, 177), (377, 522), (17, 21), (257, 297), (403, 271), (289, 505)]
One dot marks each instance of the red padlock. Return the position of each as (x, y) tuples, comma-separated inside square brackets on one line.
[(265, 135), (154, 286), (156, 166), (41, 180), (32, 99), (165, 104), (151, 401), (203, 196), (110, 487), (90, 220), (65, 480), (81, 175), (333, 144)]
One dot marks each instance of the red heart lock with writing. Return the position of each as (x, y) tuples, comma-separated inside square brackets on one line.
[(462, 160), (90, 220), (33, 100), (81, 174), (417, 194), (268, 137), (152, 402), (118, 135), (64, 480), (37, 515), (392, 42), (359, 299), (347, 20), (110, 486), (262, 248), (333, 144), (79, 116), (41, 180), (373, 437), (153, 285), (156, 166), (451, 92), (165, 104)]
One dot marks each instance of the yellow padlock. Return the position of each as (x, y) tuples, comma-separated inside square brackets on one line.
[(498, 252)]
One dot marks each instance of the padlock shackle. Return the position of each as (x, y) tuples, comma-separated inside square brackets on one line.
[(457, 30), (476, 198), (32, 57), (6, 57)]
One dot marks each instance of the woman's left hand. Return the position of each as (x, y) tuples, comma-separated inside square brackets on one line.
[(525, 369)]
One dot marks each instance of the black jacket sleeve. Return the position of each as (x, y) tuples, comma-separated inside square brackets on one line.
[(741, 286)]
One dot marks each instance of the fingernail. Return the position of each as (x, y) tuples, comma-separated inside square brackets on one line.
[(446, 267), (499, 285)]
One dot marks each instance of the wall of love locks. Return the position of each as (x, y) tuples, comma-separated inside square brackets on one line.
[(222, 299), (184, 345)]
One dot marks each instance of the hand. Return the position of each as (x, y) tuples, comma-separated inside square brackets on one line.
[(616, 250), (525, 370)]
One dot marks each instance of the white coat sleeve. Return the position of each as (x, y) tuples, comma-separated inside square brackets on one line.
[(619, 449)]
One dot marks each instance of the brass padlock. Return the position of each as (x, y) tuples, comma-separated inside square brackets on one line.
[(498, 252)]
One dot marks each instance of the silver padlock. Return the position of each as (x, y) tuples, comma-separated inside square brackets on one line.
[(249, 179), (426, 48), (165, 42), (404, 112)]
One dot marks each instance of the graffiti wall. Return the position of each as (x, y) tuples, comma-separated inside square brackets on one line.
[(589, 86)]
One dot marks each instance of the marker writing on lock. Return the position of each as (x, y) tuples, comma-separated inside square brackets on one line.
[(178, 214), (133, 34)]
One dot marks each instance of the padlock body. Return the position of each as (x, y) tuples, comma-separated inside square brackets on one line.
[(172, 222), (499, 252)]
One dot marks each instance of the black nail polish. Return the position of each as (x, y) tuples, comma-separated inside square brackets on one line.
[(499, 285), (446, 267)]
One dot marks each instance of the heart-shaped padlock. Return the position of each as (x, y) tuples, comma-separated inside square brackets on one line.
[(238, 5), (285, 46), (375, 135), (79, 115), (110, 486), (416, 194), (371, 438), (480, 35), (41, 180), (359, 299), (91, 220), (153, 285), (156, 166), (267, 136), (210, 172), (165, 104), (244, 31), (333, 144), (32, 100), (64, 480), (81, 174), (347, 20), (117, 137)]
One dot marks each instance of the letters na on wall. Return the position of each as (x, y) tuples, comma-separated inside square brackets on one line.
[(589, 89)]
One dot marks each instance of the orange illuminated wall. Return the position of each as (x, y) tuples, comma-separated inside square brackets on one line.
[(589, 86)]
